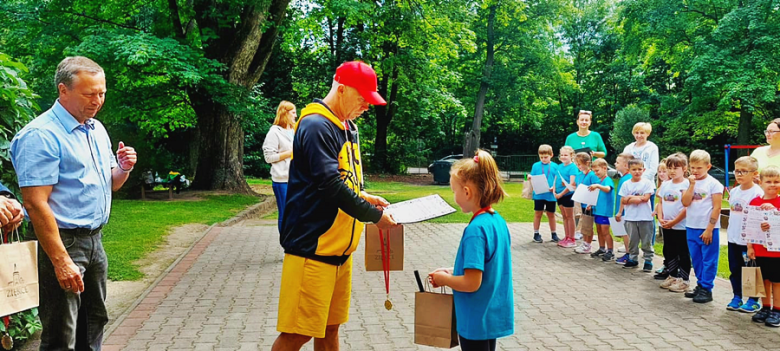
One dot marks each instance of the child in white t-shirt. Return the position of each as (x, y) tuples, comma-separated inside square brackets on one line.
[(702, 224), (671, 219), (635, 200), (745, 169)]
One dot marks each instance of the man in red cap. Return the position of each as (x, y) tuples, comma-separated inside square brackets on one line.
[(325, 211)]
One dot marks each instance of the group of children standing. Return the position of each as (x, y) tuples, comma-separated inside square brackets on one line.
[(688, 214)]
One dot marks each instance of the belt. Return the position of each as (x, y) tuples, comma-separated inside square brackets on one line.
[(81, 231)]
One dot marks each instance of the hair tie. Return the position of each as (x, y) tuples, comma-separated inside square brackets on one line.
[(476, 158)]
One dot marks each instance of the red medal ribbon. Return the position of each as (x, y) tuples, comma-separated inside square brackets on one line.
[(481, 211), (385, 259)]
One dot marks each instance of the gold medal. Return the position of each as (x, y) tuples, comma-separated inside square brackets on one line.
[(7, 342), (388, 305)]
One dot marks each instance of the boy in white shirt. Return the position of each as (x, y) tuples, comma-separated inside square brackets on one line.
[(702, 224), (671, 218), (745, 169), (635, 200)]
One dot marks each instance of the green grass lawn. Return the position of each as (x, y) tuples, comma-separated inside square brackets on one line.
[(138, 227)]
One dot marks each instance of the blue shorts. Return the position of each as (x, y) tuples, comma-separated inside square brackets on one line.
[(601, 219)]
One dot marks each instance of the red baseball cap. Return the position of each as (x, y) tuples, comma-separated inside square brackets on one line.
[(359, 75)]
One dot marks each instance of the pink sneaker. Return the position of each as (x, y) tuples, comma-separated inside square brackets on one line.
[(563, 242), (570, 243)]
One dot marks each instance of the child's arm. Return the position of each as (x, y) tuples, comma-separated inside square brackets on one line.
[(636, 200), (751, 253), (677, 219), (470, 281), (687, 196), (619, 214), (603, 188), (659, 213), (706, 237)]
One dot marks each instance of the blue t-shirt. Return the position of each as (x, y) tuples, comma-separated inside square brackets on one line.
[(550, 170), (586, 179), (622, 180), (489, 312), (565, 172), (605, 206)]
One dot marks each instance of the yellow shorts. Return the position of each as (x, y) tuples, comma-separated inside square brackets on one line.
[(313, 295)]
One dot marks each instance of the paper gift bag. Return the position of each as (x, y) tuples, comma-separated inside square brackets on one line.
[(434, 320), (395, 237), (752, 281), (18, 277), (528, 190), (586, 224)]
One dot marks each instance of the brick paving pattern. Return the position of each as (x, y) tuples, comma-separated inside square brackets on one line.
[(223, 296)]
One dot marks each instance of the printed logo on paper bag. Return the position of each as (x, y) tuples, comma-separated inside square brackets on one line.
[(16, 286)]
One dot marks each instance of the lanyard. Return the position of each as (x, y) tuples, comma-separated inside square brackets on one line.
[(481, 211), (386, 265)]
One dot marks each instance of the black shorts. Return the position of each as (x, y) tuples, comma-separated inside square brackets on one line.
[(566, 201), (544, 205), (770, 268)]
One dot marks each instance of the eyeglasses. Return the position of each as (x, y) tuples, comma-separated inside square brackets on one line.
[(741, 173), (771, 132)]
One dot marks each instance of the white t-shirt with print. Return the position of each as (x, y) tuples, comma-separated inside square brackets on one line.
[(738, 200), (671, 200), (640, 212), (700, 209)]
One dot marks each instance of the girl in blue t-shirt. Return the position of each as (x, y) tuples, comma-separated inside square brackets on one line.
[(482, 277)]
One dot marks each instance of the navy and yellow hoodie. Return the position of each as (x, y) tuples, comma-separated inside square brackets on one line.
[(324, 212)]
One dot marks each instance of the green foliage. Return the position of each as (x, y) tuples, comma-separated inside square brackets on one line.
[(17, 107), (22, 325), (621, 134)]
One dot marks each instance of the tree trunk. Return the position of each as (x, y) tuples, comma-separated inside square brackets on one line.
[(221, 149), (743, 132), (471, 142), (245, 49), (384, 115)]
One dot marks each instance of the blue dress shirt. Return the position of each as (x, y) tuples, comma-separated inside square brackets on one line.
[(54, 149)]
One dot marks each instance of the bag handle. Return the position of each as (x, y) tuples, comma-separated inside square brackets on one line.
[(11, 237), (751, 263), (429, 288)]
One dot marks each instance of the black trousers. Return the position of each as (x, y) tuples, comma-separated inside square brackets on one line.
[(477, 345), (677, 257)]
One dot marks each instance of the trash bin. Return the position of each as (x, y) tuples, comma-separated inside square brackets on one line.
[(441, 169)]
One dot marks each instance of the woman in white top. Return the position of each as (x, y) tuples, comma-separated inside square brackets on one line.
[(644, 150), (277, 149), (769, 155)]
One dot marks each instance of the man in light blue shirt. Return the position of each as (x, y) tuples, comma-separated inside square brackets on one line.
[(67, 171)]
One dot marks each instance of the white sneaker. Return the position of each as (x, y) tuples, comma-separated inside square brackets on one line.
[(669, 282), (680, 286), (584, 249), (578, 236)]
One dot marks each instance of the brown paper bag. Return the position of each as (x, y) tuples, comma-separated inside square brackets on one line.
[(18, 277), (374, 248), (752, 281), (586, 224), (434, 320), (528, 190)]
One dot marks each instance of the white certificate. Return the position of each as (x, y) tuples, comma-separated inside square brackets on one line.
[(568, 185), (419, 209), (752, 216), (540, 184), (618, 228), (585, 196)]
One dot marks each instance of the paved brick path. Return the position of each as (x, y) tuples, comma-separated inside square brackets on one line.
[(223, 296)]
